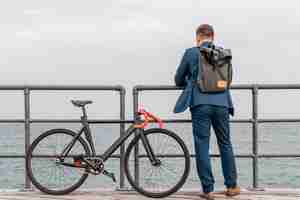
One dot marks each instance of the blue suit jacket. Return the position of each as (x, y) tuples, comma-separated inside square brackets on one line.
[(186, 73)]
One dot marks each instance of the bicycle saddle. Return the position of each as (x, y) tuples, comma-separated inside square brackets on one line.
[(80, 103)]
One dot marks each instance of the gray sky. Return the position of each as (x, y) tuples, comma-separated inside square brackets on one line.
[(132, 42)]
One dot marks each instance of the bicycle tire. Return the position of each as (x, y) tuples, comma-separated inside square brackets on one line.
[(182, 179), (30, 173)]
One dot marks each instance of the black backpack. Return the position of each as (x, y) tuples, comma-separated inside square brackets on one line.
[(215, 69)]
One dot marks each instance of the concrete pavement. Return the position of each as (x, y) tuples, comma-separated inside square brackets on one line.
[(117, 195)]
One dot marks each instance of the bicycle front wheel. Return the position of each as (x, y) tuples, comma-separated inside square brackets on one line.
[(169, 175), (45, 167)]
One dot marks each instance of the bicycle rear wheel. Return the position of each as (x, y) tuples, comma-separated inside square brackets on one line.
[(161, 180), (44, 166)]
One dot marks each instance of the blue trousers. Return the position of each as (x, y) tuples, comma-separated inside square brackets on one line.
[(203, 117)]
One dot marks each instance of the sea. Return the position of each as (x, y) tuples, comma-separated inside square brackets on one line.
[(273, 138)]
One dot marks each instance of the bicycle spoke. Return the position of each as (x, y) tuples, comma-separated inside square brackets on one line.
[(174, 174), (169, 173), (46, 171)]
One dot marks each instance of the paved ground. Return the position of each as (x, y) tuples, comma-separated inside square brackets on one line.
[(115, 195)]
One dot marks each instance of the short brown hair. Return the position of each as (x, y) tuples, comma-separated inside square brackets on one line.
[(206, 30)]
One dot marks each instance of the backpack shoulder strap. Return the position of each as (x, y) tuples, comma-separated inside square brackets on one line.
[(199, 66)]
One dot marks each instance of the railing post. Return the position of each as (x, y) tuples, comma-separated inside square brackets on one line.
[(122, 130), (27, 130), (136, 149), (255, 135)]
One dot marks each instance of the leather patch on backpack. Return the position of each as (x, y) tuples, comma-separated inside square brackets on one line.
[(222, 84)]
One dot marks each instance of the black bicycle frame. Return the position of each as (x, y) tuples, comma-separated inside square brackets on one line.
[(114, 146)]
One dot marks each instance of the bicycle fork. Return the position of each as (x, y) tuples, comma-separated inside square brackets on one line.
[(149, 150)]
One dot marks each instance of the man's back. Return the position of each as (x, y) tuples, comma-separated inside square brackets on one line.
[(188, 72)]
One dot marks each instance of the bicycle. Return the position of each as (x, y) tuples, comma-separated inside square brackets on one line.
[(60, 160)]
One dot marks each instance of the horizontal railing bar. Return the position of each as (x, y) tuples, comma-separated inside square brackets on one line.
[(188, 121), (12, 121), (12, 156), (277, 120), (172, 87), (193, 155), (103, 121), (61, 87), (278, 86), (52, 156), (123, 121), (118, 156), (116, 121), (140, 87), (106, 121), (279, 156), (164, 120), (173, 156), (238, 87)]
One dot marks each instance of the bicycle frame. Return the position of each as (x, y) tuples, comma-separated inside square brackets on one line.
[(134, 127)]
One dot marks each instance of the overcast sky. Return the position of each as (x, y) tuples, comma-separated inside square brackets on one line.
[(132, 42)]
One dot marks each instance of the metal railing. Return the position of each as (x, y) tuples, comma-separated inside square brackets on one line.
[(254, 121), (28, 121)]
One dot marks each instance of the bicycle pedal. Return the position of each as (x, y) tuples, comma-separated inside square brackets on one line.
[(111, 175)]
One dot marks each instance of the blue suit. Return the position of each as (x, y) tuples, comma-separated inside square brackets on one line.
[(207, 110), (191, 96)]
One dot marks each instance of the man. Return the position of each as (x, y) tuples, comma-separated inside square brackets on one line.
[(207, 109)]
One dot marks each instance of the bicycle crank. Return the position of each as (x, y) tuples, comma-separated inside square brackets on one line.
[(98, 167), (95, 165)]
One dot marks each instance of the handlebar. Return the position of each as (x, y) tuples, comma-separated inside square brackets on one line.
[(148, 117)]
